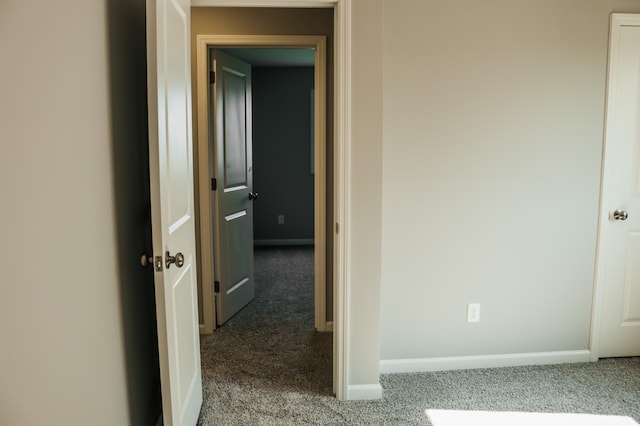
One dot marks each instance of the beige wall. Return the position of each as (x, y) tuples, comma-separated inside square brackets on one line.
[(71, 293), (493, 123), (276, 21), (366, 192), (62, 356)]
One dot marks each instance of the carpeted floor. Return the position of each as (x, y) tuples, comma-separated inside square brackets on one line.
[(267, 366)]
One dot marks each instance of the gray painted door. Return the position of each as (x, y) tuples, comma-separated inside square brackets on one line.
[(233, 215)]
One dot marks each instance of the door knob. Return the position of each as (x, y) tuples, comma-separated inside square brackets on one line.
[(178, 259), (146, 260), (253, 196), (620, 215)]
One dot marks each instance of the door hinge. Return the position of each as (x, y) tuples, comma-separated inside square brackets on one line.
[(212, 77), (214, 184), (216, 286)]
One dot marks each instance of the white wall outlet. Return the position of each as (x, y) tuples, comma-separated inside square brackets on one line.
[(280, 219), (473, 312)]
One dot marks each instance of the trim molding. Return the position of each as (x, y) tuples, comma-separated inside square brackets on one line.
[(283, 242), (419, 365), (342, 199), (264, 3), (364, 392)]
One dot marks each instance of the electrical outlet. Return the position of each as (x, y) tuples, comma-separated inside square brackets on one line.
[(280, 219), (473, 312)]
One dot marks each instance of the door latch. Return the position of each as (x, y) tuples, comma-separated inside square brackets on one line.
[(146, 260), (158, 264)]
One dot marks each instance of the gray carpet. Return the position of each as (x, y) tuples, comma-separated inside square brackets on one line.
[(267, 366)]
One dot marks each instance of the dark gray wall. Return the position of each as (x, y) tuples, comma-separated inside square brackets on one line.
[(130, 160), (282, 152)]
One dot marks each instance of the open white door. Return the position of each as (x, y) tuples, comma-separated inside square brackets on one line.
[(172, 209), (619, 242)]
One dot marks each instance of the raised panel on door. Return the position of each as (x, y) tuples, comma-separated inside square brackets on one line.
[(233, 170), (184, 300), (631, 293), (240, 289), (235, 129)]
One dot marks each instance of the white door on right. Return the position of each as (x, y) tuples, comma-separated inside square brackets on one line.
[(619, 243)]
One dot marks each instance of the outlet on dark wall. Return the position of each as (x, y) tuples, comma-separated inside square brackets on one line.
[(282, 146)]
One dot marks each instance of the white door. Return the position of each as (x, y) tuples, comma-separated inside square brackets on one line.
[(172, 204), (234, 196), (619, 246)]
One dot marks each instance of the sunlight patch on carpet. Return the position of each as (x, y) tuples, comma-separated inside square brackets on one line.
[(504, 418)]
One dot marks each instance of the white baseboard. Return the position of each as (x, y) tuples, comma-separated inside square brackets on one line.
[(291, 242), (417, 365), (364, 392)]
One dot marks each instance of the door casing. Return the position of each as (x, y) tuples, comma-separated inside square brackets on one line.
[(205, 159)]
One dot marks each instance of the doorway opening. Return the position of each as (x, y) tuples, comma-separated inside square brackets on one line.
[(278, 17), (300, 65), (205, 158)]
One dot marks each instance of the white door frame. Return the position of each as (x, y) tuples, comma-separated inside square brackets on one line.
[(618, 20), (342, 168), (203, 44)]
